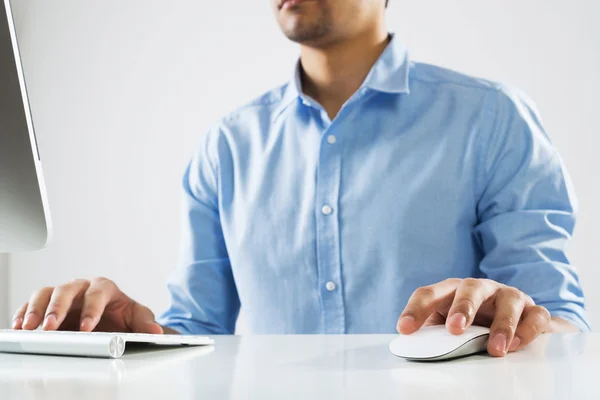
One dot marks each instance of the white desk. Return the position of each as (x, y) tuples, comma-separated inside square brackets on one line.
[(309, 367)]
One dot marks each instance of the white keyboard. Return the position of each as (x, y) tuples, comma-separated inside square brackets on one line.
[(87, 344)]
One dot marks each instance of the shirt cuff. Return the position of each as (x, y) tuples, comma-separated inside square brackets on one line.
[(186, 327), (572, 317)]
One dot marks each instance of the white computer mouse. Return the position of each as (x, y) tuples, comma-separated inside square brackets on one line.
[(432, 343)]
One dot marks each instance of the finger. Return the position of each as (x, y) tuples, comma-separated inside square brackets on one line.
[(143, 320), (19, 316), (61, 302), (36, 308), (435, 319), (470, 295), (95, 299), (534, 322), (423, 302), (509, 304)]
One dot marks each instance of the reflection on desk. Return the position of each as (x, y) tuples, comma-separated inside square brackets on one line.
[(309, 367), (36, 376)]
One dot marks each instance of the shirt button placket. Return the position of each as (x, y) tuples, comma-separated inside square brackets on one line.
[(328, 240)]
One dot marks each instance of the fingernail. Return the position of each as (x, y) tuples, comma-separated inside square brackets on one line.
[(458, 320), (50, 319), (28, 319), (498, 342), (16, 322), (514, 344), (86, 324), (406, 322)]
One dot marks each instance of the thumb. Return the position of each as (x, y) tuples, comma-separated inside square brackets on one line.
[(143, 321)]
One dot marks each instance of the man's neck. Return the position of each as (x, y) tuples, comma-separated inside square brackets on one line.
[(331, 75)]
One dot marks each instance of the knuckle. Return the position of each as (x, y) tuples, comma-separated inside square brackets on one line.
[(77, 282), (466, 306), (488, 281), (514, 293), (71, 286), (452, 280), (100, 279), (54, 306), (45, 290), (148, 311), (411, 312), (471, 281), (103, 282), (38, 295), (472, 284), (62, 288), (533, 330), (509, 322), (94, 291), (425, 292), (528, 300), (33, 310), (542, 313)]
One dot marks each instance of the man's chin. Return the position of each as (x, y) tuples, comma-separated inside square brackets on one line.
[(306, 35)]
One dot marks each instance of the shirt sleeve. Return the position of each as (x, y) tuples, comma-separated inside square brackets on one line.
[(203, 295), (527, 208)]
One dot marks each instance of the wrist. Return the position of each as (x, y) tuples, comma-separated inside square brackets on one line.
[(560, 325)]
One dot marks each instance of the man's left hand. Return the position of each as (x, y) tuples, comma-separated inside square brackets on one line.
[(512, 316)]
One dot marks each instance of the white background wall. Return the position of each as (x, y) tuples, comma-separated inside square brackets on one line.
[(4, 308), (121, 91)]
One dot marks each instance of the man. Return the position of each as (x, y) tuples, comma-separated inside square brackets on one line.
[(369, 194)]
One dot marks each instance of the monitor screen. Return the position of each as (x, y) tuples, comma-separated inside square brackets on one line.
[(24, 215)]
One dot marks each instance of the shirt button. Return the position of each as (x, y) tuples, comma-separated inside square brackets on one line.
[(330, 286), (331, 139), (326, 210)]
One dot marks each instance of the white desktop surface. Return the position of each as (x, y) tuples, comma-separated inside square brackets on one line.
[(309, 367)]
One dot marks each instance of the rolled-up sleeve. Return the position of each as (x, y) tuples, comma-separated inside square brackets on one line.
[(527, 208), (203, 295)]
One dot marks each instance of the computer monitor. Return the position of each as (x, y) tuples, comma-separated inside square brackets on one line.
[(24, 215)]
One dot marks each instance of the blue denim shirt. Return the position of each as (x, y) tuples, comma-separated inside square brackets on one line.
[(319, 226)]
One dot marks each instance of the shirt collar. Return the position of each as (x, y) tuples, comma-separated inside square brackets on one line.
[(391, 71), (389, 74)]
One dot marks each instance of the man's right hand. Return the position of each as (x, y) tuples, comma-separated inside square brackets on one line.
[(96, 305)]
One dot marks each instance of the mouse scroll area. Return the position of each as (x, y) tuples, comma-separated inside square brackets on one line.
[(435, 343)]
